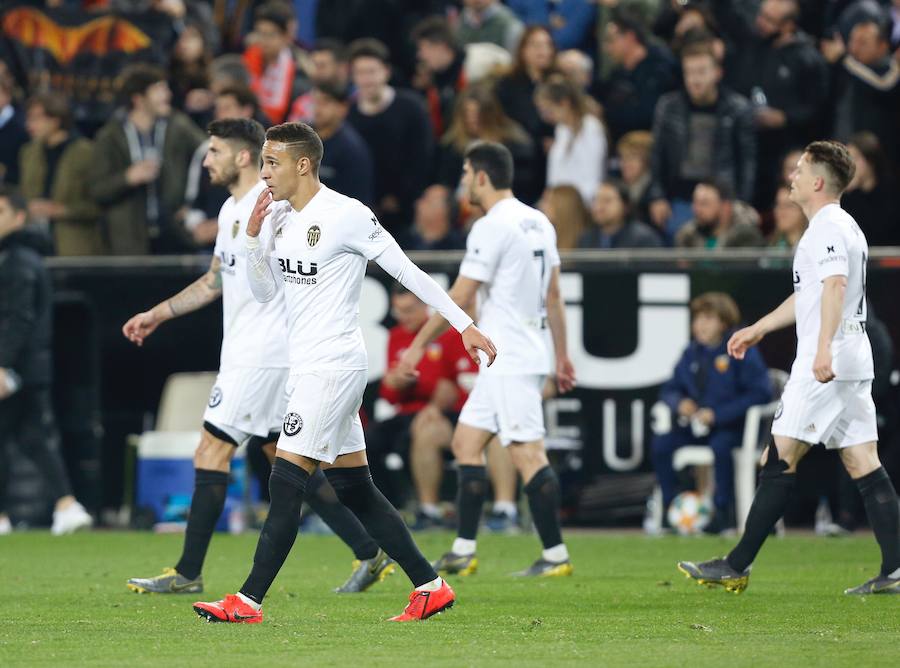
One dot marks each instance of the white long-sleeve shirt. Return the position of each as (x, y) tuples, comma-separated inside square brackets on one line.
[(322, 252), (578, 161)]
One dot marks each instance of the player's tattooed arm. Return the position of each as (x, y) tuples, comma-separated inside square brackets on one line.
[(203, 291)]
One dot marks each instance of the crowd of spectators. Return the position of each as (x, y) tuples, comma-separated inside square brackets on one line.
[(633, 123)]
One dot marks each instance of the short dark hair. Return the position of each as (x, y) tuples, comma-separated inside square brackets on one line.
[(245, 131), (623, 193), (723, 189), (333, 46), (304, 141), (16, 200), (837, 161), (697, 47), (369, 47), (628, 20), (55, 105), (435, 29), (279, 13), (243, 94), (334, 90), (136, 79), (495, 160)]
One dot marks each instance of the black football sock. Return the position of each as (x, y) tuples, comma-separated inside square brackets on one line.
[(544, 501), (287, 484), (880, 500), (206, 507), (321, 497), (768, 506), (356, 490), (471, 491)]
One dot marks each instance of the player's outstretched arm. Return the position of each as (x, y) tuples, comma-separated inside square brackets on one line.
[(198, 294), (556, 318), (395, 262), (259, 271), (741, 340)]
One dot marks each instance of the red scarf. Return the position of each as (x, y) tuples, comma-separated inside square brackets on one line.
[(273, 84)]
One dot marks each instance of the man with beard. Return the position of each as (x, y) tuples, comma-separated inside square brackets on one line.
[(247, 402)]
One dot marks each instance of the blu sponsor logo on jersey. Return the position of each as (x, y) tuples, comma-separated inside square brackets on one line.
[(297, 272)]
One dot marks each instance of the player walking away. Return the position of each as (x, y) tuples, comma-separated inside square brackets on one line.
[(828, 398), (512, 261), (322, 241), (248, 399)]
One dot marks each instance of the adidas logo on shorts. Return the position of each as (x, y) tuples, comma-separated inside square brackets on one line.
[(811, 428)]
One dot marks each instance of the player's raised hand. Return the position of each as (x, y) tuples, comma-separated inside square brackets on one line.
[(260, 211), (474, 340), (140, 327), (743, 339), (565, 375)]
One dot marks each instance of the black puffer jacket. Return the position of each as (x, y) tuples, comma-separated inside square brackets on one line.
[(734, 156), (26, 307)]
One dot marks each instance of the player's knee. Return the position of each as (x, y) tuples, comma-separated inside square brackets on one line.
[(773, 463), (860, 460), (212, 453), (466, 451)]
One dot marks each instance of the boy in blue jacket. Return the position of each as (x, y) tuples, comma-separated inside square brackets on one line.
[(709, 394)]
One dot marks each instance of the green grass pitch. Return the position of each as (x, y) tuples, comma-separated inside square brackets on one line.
[(65, 603)]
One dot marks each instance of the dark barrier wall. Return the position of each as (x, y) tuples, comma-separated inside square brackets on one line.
[(628, 322)]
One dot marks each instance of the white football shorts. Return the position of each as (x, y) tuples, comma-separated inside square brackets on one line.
[(322, 417), (839, 414), (510, 406), (247, 401)]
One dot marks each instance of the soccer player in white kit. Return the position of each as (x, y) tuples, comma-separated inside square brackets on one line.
[(248, 399), (828, 398), (322, 242), (512, 266)]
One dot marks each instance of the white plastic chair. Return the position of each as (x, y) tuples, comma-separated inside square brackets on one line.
[(746, 457)]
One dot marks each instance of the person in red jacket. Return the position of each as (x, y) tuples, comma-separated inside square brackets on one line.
[(427, 405)]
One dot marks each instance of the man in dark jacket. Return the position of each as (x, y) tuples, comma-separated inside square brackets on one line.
[(781, 71), (139, 198), (441, 66), (643, 71), (708, 395), (700, 132), (26, 411)]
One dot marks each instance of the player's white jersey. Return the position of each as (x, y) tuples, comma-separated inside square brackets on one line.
[(833, 245), (512, 251), (322, 253), (254, 334)]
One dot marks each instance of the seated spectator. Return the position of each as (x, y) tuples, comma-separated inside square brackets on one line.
[(327, 64), (274, 75), (867, 87), (533, 62), (441, 61), (634, 150), (613, 226), (13, 135), (433, 227), (139, 199), (871, 196), (479, 116), (565, 208), (237, 101), (577, 156), (709, 394), (489, 21), (427, 406), (347, 162), (54, 167), (226, 71), (719, 220), (788, 165), (700, 132), (643, 71), (395, 125), (790, 222)]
